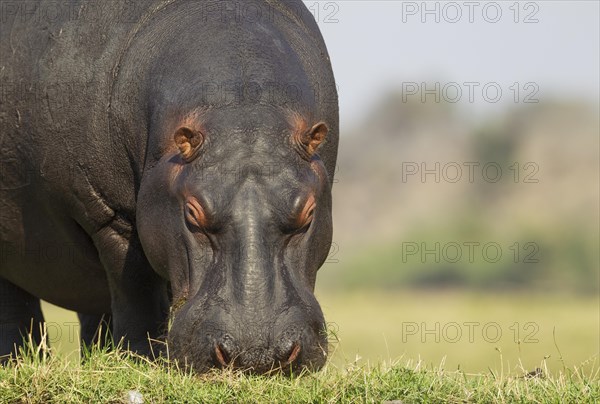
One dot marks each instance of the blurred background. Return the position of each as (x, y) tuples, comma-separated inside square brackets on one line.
[(466, 201)]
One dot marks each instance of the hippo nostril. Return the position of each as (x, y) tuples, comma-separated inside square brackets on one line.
[(221, 355), (224, 351), (294, 352)]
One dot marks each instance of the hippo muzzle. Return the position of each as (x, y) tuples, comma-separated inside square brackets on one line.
[(287, 342)]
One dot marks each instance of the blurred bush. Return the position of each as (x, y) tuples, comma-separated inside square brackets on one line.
[(417, 174)]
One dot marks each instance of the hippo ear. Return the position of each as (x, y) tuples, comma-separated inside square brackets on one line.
[(312, 139), (189, 142)]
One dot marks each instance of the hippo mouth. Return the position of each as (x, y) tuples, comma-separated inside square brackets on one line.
[(203, 345)]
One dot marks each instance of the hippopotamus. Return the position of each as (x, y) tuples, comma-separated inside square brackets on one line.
[(167, 168)]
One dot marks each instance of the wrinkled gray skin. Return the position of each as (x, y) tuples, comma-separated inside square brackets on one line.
[(137, 180)]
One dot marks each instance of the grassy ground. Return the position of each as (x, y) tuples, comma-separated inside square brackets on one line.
[(409, 346), (112, 377)]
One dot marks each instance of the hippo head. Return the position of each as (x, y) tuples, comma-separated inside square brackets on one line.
[(234, 210)]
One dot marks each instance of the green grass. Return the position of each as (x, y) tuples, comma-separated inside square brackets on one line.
[(110, 376), (373, 359)]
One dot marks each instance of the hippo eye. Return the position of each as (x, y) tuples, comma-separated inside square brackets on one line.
[(309, 217), (194, 214), (307, 214)]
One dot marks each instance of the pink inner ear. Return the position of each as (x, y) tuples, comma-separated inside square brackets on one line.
[(315, 137), (188, 141), (306, 140)]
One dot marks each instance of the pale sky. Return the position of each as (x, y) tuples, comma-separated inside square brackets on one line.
[(376, 46)]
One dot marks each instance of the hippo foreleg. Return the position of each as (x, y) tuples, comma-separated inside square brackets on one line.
[(96, 330), (139, 296), (20, 315)]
